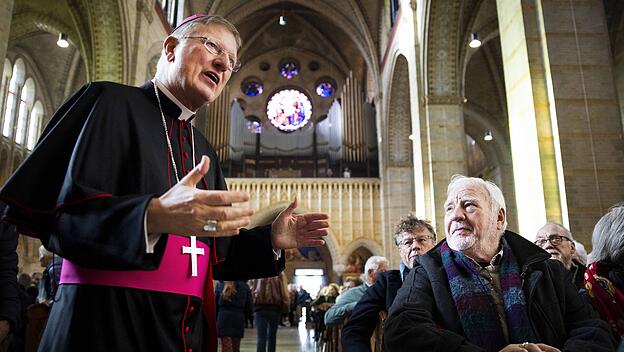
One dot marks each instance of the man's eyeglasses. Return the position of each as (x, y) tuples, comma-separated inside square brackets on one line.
[(216, 49), (408, 242), (555, 240)]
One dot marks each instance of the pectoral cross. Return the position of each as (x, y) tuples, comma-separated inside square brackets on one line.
[(194, 251)]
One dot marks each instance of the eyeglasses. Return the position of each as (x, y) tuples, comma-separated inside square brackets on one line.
[(410, 241), (215, 48), (555, 240)]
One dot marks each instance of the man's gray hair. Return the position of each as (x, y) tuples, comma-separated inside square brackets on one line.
[(374, 262), (43, 252), (496, 195), (608, 237), (411, 224), (188, 28)]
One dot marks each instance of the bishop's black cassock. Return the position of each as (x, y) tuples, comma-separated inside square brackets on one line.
[(84, 191)]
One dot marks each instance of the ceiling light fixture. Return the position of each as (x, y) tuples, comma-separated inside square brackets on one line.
[(474, 40), (488, 136), (62, 41), (282, 19)]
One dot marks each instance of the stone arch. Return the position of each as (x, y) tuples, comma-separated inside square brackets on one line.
[(369, 244), (106, 31), (441, 48), (26, 23), (498, 150), (399, 116), (268, 214), (353, 24)]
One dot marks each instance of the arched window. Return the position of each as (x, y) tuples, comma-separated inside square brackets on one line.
[(33, 124), (17, 79), (25, 105), (4, 85)]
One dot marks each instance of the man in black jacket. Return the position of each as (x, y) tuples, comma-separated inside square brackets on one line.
[(558, 241), (487, 289), (413, 237)]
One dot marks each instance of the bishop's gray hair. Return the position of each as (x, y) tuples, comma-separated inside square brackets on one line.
[(188, 28), (608, 237), (496, 195)]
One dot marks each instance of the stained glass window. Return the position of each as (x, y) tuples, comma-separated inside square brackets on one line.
[(325, 88), (289, 69), (252, 87), (289, 110)]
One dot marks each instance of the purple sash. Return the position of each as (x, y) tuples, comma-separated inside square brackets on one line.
[(173, 275)]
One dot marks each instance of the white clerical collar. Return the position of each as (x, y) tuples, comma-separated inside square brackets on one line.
[(185, 113)]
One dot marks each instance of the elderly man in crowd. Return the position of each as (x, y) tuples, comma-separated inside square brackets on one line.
[(347, 301), (124, 188), (487, 289), (413, 237), (558, 241)]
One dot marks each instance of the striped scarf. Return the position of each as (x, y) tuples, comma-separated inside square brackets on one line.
[(476, 308)]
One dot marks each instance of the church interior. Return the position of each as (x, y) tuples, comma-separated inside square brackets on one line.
[(363, 109)]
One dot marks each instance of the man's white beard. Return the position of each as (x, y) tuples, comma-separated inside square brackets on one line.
[(461, 243)]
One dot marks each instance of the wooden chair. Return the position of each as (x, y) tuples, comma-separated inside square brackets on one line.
[(377, 338), (37, 315)]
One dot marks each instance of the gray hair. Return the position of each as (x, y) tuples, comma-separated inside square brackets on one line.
[(43, 252), (374, 262), (496, 195), (608, 237), (188, 28), (411, 224)]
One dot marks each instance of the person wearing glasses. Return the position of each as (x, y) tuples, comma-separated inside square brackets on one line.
[(485, 288), (413, 237), (558, 242), (124, 188)]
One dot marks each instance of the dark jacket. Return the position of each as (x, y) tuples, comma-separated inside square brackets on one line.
[(360, 326), (231, 314), (424, 318), (577, 274)]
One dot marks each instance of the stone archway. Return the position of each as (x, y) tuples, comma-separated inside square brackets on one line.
[(399, 195), (329, 253), (106, 31)]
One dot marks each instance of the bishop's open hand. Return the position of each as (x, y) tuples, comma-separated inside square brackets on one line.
[(302, 230), (184, 209)]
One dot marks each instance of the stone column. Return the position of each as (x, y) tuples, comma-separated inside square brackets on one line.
[(6, 12), (564, 117), (446, 145)]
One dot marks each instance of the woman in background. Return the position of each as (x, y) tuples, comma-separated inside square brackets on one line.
[(604, 277), (233, 305)]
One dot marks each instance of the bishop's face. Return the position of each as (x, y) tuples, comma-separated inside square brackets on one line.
[(197, 75)]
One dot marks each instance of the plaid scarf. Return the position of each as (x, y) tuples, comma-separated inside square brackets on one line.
[(476, 308), (605, 296)]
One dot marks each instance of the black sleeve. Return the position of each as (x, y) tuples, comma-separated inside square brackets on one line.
[(81, 197), (410, 325), (9, 298), (100, 217), (360, 326), (250, 255)]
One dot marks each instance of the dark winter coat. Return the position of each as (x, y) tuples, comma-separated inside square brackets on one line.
[(423, 316), (360, 326), (231, 314)]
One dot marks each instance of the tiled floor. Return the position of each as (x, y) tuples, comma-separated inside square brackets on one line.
[(289, 339)]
